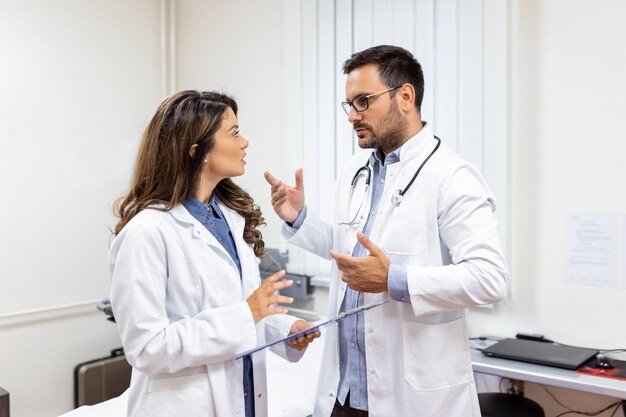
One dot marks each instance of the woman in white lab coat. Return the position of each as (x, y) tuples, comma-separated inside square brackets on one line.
[(186, 291)]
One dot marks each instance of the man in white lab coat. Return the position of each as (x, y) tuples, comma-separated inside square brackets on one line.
[(413, 224)]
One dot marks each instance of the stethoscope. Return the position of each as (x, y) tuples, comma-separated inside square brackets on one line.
[(366, 172)]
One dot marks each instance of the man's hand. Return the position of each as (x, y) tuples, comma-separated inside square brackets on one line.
[(288, 201), (302, 342), (365, 274)]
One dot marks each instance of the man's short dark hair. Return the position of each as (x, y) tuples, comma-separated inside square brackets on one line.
[(396, 66)]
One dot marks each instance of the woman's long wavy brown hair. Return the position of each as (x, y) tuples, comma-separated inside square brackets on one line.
[(165, 172)]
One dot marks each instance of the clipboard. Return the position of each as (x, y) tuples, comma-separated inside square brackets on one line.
[(314, 328)]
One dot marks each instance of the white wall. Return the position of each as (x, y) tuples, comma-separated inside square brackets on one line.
[(234, 47), (569, 145), (79, 80)]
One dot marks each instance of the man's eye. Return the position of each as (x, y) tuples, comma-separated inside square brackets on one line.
[(236, 133), (360, 102)]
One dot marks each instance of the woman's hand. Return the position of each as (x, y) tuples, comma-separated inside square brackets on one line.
[(302, 342), (261, 300)]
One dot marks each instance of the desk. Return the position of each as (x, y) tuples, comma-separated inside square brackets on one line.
[(547, 375)]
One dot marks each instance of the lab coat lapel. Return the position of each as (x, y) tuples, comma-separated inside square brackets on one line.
[(412, 154), (181, 214), (236, 223)]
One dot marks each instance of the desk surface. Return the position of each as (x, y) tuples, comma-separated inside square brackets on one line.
[(547, 375)]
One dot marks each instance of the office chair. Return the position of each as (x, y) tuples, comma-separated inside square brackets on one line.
[(499, 404)]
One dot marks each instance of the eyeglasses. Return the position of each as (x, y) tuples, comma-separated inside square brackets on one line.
[(361, 103)]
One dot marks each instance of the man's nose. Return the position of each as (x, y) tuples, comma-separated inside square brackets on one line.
[(354, 115)]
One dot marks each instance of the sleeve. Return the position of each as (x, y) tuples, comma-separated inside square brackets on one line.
[(314, 235), (278, 326), (397, 283), (153, 342), (467, 227), (299, 220)]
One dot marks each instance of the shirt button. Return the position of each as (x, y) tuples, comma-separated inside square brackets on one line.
[(259, 395), (332, 394), (370, 330), (382, 181), (372, 371), (353, 344)]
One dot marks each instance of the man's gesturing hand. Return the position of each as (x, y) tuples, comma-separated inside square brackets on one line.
[(287, 201), (368, 273)]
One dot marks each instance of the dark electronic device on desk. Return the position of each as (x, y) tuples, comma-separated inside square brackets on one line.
[(4, 403), (537, 349), (604, 363), (605, 367)]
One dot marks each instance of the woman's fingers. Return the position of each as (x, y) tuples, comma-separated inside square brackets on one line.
[(275, 276), (263, 299), (280, 299)]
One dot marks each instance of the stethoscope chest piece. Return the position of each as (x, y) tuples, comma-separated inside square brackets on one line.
[(396, 198)]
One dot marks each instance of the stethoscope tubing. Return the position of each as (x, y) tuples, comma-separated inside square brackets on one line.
[(396, 198)]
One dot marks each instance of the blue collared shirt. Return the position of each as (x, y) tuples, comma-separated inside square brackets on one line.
[(213, 219), (352, 362)]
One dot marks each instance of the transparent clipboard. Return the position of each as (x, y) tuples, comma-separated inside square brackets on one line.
[(313, 328)]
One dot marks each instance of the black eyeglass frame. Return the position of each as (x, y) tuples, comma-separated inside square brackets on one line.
[(345, 105)]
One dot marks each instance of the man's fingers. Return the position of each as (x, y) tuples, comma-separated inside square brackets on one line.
[(299, 179), (270, 178), (338, 257), (279, 201), (278, 195), (343, 261), (368, 244)]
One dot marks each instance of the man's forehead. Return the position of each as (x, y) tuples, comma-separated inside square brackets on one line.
[(364, 79)]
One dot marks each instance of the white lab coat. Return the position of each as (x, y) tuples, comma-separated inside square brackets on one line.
[(180, 306), (417, 353)]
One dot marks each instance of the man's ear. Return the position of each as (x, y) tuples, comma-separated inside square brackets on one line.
[(407, 97), (192, 150)]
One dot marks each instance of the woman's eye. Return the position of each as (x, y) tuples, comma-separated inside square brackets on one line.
[(236, 133)]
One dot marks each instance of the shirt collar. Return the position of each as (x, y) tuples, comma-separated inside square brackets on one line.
[(393, 157), (196, 208), (199, 210), (390, 158)]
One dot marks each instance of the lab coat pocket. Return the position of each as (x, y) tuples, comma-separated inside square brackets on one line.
[(407, 231), (182, 395), (435, 355)]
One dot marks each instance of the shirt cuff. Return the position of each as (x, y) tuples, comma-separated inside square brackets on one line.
[(397, 283), (299, 220)]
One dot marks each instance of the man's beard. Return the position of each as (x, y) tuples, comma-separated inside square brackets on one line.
[(389, 135)]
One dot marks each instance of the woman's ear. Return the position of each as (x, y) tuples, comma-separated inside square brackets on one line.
[(192, 150)]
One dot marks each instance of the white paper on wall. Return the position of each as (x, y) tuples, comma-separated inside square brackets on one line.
[(592, 256)]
